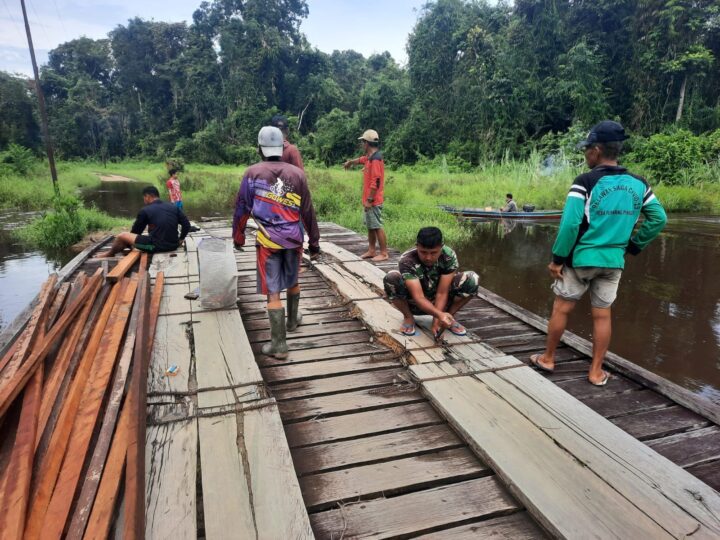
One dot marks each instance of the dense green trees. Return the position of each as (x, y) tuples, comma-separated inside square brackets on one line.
[(482, 81)]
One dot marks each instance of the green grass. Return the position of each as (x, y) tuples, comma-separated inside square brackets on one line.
[(412, 194)]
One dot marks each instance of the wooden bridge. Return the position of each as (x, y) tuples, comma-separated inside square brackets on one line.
[(363, 432)]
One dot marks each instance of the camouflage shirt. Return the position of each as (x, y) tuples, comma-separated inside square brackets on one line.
[(411, 268)]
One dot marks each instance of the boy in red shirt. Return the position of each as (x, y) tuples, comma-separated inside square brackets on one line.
[(372, 197), (173, 186)]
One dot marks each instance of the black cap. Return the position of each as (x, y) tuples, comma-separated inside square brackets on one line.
[(605, 131), (279, 121)]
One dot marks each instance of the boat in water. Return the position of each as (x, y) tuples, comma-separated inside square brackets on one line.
[(479, 213)]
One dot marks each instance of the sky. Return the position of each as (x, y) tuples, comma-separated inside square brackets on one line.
[(331, 24)]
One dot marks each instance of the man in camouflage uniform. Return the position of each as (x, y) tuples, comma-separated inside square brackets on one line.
[(427, 282)]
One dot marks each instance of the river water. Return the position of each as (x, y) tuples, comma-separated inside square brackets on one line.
[(667, 314), (666, 317)]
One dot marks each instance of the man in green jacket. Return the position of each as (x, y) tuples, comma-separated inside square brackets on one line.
[(596, 231)]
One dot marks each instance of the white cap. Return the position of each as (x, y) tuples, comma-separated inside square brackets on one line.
[(270, 140)]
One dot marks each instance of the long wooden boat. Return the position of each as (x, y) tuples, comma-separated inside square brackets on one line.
[(477, 213)]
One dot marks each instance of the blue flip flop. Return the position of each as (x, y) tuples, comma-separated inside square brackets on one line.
[(405, 330), (458, 329)]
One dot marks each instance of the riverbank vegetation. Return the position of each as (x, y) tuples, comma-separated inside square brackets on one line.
[(492, 99)]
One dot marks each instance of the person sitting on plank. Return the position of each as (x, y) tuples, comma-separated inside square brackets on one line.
[(161, 219), (428, 282)]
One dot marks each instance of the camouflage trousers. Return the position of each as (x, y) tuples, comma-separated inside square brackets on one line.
[(464, 284)]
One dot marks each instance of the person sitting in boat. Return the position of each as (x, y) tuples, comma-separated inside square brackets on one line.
[(428, 282), (510, 205), (161, 219)]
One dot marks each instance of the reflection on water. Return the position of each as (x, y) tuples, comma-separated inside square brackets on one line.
[(667, 314), (22, 271)]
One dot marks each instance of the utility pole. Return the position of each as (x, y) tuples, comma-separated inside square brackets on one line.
[(41, 104)]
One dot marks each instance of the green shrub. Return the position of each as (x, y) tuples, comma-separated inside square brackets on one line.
[(67, 223), (670, 157), (19, 160)]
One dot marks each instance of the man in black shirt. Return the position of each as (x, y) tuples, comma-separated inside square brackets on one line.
[(161, 219)]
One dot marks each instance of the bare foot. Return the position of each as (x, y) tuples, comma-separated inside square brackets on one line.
[(368, 254), (381, 257)]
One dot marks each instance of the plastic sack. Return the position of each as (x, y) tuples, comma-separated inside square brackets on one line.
[(218, 273)]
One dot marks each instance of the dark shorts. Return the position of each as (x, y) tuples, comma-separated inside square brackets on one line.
[(144, 243), (464, 284), (277, 269)]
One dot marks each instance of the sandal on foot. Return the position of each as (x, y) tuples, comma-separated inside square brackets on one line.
[(604, 380), (408, 330), (535, 361), (458, 329)]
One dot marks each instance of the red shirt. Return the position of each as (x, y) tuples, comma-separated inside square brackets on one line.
[(291, 155), (373, 177), (173, 186)]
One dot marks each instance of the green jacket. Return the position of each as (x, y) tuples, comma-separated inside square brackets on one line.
[(601, 210)]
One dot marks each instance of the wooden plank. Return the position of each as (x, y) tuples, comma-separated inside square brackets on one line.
[(58, 304), (581, 389), (328, 319), (627, 403), (344, 454), (12, 385), (517, 526), (322, 352), (363, 339), (17, 485), (171, 346), (171, 465), (559, 491), (49, 466), (326, 368), (58, 510), (123, 267), (103, 508), (349, 426), (708, 473), (311, 330), (302, 409), (320, 491), (415, 513), (660, 423), (691, 448), (134, 494), (95, 467), (676, 393), (249, 486), (222, 352), (63, 368), (341, 383)]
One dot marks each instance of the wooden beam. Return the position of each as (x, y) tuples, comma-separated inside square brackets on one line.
[(12, 385), (134, 524), (96, 465), (50, 465), (122, 268), (58, 303), (58, 510), (695, 403), (62, 368)]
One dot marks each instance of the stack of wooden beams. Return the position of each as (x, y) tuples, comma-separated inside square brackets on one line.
[(72, 408)]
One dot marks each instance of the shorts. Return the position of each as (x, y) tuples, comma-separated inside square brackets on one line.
[(464, 284), (144, 243), (277, 269), (372, 217), (179, 205), (602, 282)]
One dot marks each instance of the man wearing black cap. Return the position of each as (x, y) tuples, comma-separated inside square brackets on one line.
[(596, 231), (290, 154)]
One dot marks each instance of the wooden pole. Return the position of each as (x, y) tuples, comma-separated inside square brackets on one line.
[(41, 104)]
